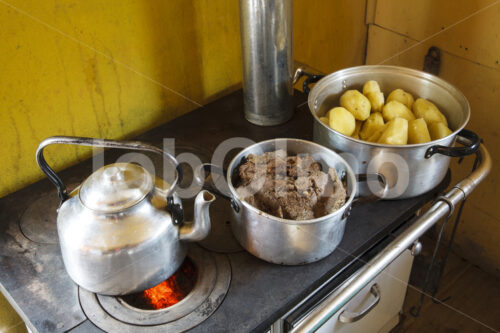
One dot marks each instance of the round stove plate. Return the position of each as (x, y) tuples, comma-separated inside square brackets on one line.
[(153, 321), (39, 221), (207, 275)]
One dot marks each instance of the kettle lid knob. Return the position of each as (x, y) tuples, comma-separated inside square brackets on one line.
[(113, 174)]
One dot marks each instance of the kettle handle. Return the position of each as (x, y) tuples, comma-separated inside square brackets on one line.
[(80, 141)]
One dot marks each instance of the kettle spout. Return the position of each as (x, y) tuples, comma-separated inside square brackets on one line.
[(200, 227)]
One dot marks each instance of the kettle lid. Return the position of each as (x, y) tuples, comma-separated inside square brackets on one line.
[(116, 187)]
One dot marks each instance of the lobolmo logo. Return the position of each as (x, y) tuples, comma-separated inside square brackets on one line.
[(393, 166)]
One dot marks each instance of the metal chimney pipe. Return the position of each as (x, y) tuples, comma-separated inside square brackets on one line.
[(266, 38)]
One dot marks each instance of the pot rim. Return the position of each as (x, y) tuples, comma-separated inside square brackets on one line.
[(390, 70), (346, 205)]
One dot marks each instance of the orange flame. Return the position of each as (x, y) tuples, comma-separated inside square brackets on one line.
[(174, 289)]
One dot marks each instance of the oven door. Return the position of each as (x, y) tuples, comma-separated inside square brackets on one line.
[(374, 308)]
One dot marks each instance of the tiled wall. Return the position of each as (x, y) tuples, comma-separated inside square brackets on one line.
[(468, 34)]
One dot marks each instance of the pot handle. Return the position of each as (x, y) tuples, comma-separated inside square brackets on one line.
[(81, 141), (468, 138), (364, 177), (311, 78), (200, 179)]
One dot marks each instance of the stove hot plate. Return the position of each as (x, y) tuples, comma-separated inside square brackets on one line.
[(113, 314)]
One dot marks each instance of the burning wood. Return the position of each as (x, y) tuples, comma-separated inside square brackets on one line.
[(167, 293)]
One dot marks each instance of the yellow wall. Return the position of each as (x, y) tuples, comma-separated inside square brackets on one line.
[(105, 69), (116, 68), (329, 35), (467, 32)]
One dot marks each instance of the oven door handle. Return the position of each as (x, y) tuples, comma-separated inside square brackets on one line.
[(347, 317)]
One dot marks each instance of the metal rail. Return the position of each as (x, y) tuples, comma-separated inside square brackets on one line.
[(333, 303)]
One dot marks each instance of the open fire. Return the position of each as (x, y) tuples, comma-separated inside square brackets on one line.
[(167, 293)]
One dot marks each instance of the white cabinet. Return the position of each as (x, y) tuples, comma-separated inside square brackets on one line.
[(389, 287)]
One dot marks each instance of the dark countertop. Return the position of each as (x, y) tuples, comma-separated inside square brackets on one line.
[(32, 274)]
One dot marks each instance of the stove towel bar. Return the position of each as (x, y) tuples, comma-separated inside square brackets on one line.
[(415, 310), (334, 302)]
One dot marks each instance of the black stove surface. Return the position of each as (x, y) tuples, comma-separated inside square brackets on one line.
[(33, 278)]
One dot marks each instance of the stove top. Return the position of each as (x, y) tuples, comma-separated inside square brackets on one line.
[(248, 294)]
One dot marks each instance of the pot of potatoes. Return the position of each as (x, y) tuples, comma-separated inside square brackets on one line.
[(396, 121)]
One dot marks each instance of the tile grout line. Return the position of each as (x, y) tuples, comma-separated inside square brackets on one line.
[(446, 288), (438, 32), (457, 277), (427, 42)]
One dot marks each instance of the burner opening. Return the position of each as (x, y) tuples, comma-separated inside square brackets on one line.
[(167, 293)]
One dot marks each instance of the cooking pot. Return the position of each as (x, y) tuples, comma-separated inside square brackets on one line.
[(411, 169), (120, 233), (283, 241)]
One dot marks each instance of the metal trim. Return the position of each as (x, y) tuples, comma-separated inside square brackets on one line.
[(367, 273)]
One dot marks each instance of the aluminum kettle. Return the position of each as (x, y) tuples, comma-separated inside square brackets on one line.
[(119, 232)]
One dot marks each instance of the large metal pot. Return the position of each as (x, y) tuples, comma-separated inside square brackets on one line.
[(283, 241), (121, 231), (411, 169)]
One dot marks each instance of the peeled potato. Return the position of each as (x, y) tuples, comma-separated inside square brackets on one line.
[(402, 97), (356, 103), (355, 134), (396, 132), (395, 109), (438, 130), (371, 125), (342, 120), (325, 120), (399, 121), (423, 108), (376, 100), (370, 87), (417, 131), (376, 135)]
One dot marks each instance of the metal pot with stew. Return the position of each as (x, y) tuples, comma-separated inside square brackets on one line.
[(290, 199)]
